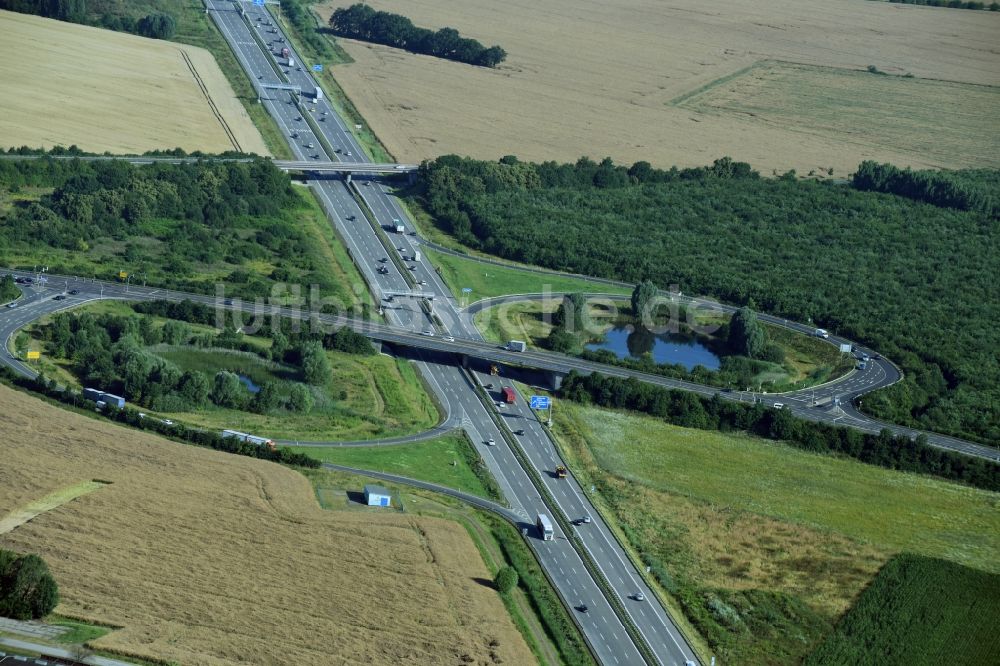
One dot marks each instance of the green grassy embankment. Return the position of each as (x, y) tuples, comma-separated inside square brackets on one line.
[(764, 546)]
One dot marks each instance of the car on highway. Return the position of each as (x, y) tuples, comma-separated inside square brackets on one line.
[(351, 218), (448, 338), (298, 118), (59, 297), (639, 596), (12, 304), (519, 431), (587, 520), (779, 405), (583, 608), (429, 334), (421, 282), (491, 442), (168, 422), (74, 292), (348, 153)]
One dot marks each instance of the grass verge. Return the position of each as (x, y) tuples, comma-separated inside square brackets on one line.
[(762, 546), (488, 280), (449, 461)]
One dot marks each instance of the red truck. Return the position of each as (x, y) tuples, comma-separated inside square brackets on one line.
[(509, 395)]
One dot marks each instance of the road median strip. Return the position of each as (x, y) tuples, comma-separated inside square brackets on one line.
[(564, 523)]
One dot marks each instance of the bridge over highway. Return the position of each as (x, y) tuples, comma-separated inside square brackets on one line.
[(313, 166)]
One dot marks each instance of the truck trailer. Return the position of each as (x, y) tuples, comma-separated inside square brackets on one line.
[(544, 527), (249, 439), (319, 93), (516, 346), (509, 394)]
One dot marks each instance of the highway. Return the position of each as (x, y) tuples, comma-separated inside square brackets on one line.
[(316, 134)]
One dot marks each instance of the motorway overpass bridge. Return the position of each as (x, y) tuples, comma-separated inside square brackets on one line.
[(312, 166)]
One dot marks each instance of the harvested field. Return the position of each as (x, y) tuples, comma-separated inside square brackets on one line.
[(107, 91), (208, 558), (597, 78)]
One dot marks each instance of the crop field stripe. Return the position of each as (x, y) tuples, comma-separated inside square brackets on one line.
[(19, 517), (677, 101)]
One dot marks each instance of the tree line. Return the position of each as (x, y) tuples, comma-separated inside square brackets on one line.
[(687, 409), (973, 189), (158, 25), (952, 4), (49, 388), (362, 22), (912, 281), (28, 591)]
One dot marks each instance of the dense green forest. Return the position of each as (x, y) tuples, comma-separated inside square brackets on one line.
[(27, 589), (359, 21), (918, 610), (912, 279), (690, 410), (184, 226)]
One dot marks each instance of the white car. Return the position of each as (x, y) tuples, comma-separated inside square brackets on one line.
[(491, 442), (429, 334), (448, 338)]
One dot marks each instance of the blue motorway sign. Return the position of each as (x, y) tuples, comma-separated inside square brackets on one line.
[(539, 402), (259, 3), (466, 290), (317, 68)]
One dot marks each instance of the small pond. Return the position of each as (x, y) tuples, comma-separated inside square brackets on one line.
[(669, 348), (253, 388)]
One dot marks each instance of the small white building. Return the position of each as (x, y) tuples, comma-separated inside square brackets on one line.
[(377, 496)]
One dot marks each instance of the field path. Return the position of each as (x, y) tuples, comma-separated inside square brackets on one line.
[(19, 517), (211, 102)]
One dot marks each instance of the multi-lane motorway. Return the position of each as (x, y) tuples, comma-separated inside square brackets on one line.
[(312, 127), (316, 134)]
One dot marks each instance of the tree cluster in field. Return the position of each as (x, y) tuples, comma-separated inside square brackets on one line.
[(111, 352), (972, 189), (130, 416), (912, 281), (158, 25), (27, 589), (690, 410), (304, 23), (952, 4), (167, 221), (362, 22)]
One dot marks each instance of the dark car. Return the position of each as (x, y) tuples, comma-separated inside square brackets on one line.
[(583, 608), (74, 292), (519, 432), (59, 297)]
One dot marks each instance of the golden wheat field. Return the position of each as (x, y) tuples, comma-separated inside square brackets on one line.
[(65, 84), (585, 77), (208, 558)]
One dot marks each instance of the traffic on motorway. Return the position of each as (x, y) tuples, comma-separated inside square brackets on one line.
[(619, 614)]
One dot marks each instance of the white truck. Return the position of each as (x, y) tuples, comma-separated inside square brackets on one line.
[(291, 62), (416, 255), (516, 346), (319, 93), (544, 527), (821, 333)]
